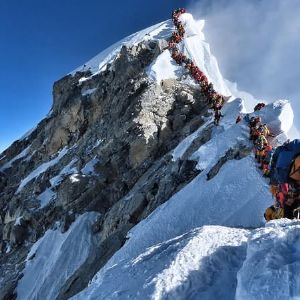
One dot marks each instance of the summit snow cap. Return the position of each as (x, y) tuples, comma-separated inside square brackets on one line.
[(195, 48), (192, 27)]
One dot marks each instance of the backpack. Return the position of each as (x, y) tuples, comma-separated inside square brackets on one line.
[(295, 169), (247, 118), (285, 158), (273, 213)]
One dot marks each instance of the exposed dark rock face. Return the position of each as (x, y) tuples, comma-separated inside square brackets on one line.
[(122, 124), (240, 152)]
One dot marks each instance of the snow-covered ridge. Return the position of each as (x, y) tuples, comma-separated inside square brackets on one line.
[(211, 262), (193, 46), (99, 62), (190, 266)]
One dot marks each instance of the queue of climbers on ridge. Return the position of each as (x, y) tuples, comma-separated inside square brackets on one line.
[(215, 99), (281, 165)]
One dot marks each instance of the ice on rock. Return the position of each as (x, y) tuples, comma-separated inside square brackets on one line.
[(55, 257), (21, 155), (41, 169)]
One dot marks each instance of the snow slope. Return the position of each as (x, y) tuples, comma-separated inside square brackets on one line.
[(272, 266), (54, 258), (235, 197), (211, 262), (196, 265)]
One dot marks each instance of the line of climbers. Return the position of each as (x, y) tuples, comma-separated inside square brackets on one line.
[(215, 99), (281, 165)]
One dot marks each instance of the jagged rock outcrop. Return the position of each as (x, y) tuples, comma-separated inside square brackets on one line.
[(106, 140)]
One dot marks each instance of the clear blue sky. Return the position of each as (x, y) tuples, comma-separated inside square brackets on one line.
[(43, 40)]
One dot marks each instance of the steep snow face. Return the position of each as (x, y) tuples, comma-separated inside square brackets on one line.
[(201, 264), (237, 200), (54, 258), (272, 267), (194, 47)]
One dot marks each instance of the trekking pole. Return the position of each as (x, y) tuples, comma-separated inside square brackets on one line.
[(297, 215)]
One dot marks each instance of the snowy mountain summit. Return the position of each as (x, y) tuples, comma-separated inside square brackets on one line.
[(127, 189)]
